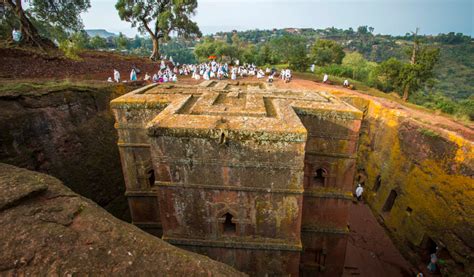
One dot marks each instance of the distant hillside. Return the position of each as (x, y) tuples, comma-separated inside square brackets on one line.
[(453, 74), (100, 32)]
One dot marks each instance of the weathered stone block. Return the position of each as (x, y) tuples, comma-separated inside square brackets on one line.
[(239, 168)]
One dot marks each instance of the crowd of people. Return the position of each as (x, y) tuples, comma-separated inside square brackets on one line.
[(170, 72), (215, 70), (206, 71)]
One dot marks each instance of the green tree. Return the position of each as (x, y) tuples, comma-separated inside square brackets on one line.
[(414, 76), (98, 42), (80, 39), (136, 42), (227, 52), (121, 41), (265, 54), (165, 15), (363, 30), (208, 47), (359, 66), (299, 59), (180, 52), (386, 75), (286, 45), (420, 69), (8, 22), (250, 54), (64, 14), (326, 52)]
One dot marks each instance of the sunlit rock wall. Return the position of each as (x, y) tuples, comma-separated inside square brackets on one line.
[(419, 180)]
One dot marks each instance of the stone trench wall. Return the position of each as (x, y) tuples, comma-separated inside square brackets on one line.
[(431, 174), (69, 133)]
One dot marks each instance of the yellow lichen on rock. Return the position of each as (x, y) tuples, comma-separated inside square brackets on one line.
[(425, 190)]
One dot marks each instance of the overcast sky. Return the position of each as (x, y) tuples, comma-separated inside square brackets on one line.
[(386, 16)]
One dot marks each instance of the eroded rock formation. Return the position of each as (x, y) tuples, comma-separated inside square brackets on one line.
[(66, 131), (49, 230)]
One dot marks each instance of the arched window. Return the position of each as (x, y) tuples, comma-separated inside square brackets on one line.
[(151, 177), (320, 177), (229, 227)]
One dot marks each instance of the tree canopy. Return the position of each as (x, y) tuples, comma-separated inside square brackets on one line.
[(59, 16), (326, 52), (159, 18), (286, 45)]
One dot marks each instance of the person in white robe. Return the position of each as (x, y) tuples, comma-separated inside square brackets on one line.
[(116, 76), (325, 78), (359, 191)]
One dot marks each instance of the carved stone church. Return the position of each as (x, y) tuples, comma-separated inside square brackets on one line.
[(256, 177)]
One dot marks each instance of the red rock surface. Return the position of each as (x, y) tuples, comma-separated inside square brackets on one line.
[(94, 65), (47, 230)]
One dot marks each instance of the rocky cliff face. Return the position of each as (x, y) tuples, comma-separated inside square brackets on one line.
[(419, 181), (66, 132), (49, 230)]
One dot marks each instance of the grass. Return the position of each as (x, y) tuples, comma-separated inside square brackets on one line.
[(429, 133)]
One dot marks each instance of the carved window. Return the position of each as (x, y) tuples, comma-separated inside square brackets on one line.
[(151, 177), (378, 183), (429, 245), (320, 177), (321, 259), (228, 225), (316, 258), (387, 207)]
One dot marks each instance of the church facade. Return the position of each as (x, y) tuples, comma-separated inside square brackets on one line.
[(256, 177)]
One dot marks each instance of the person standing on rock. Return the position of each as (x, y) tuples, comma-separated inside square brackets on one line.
[(116, 76), (325, 78), (133, 75), (359, 191), (433, 261)]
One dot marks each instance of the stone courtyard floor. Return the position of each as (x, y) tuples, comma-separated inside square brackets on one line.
[(370, 252)]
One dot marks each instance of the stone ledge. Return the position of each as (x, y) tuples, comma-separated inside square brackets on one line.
[(208, 132), (334, 155), (148, 225), (325, 230), (229, 188), (128, 144), (265, 244), (328, 194), (349, 137), (218, 162), (119, 126), (142, 193)]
